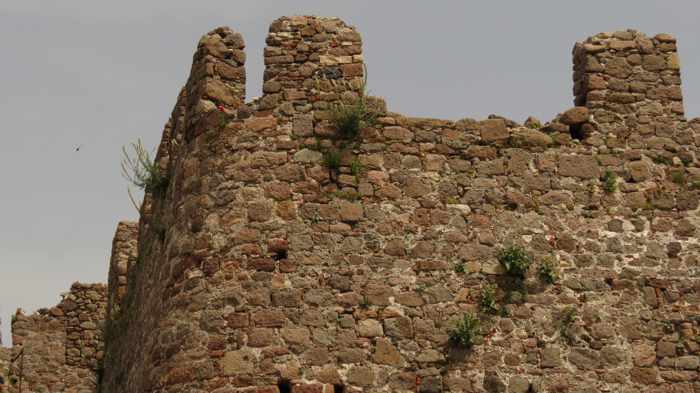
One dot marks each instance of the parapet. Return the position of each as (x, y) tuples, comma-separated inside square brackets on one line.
[(630, 82), (217, 80)]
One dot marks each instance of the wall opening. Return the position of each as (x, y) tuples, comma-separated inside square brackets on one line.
[(284, 386), (577, 132), (338, 388), (279, 255)]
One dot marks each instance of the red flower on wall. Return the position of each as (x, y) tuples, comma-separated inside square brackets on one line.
[(220, 108)]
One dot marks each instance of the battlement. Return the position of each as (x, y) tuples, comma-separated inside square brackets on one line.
[(288, 255), (630, 82)]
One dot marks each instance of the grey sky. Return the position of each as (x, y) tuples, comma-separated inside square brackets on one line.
[(102, 74)]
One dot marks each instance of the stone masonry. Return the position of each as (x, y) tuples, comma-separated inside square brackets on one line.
[(631, 83), (59, 349), (262, 268)]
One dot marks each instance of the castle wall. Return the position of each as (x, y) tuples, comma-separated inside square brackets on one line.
[(59, 349), (261, 268)]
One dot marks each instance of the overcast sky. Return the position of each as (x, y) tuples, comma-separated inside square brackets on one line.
[(102, 73)]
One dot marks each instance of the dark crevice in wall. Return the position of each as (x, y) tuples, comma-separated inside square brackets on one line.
[(577, 132), (284, 386)]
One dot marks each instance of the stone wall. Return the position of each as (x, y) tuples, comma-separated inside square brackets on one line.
[(59, 349), (262, 270)]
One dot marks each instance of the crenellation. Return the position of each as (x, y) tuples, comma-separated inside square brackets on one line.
[(310, 62), (263, 267), (217, 81), (630, 82)]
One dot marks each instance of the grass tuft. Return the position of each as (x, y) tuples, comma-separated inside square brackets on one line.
[(609, 182)]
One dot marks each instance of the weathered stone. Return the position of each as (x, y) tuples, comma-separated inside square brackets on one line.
[(238, 362), (369, 328), (518, 385), (350, 212), (581, 166), (645, 376), (644, 355), (361, 376), (551, 357), (575, 115), (308, 156), (494, 130), (639, 170), (493, 383), (386, 353)]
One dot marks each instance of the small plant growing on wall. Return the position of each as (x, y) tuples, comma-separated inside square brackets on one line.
[(678, 177), (356, 169), (364, 302), (609, 182), (487, 301), (349, 119), (139, 169), (466, 331), (547, 271), (515, 260), (331, 160), (566, 322), (223, 118)]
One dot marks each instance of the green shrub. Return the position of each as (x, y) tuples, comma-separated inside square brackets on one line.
[(459, 267), (350, 119), (662, 160), (487, 302), (609, 182), (566, 321), (347, 119), (223, 120), (356, 169), (466, 331), (547, 271), (504, 312), (331, 159), (515, 261), (141, 171)]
